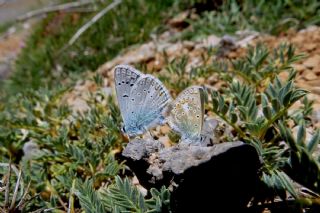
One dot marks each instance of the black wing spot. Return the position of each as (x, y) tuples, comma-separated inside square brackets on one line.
[(123, 82), (132, 112), (148, 91), (132, 99), (131, 85), (125, 96), (127, 82), (119, 83)]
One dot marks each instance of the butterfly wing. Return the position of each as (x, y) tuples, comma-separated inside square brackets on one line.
[(125, 78), (186, 115), (148, 100)]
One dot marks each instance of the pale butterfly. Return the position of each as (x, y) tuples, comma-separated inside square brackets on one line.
[(186, 115), (142, 99)]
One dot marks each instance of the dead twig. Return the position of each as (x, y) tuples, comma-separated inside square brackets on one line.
[(54, 8), (16, 189), (91, 22), (16, 171), (7, 192)]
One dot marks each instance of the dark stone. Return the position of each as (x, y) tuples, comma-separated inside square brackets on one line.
[(221, 178), (225, 183)]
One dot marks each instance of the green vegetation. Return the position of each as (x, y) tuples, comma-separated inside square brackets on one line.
[(72, 158), (44, 61), (273, 17)]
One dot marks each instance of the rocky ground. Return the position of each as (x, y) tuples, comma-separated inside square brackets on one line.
[(11, 43), (151, 54)]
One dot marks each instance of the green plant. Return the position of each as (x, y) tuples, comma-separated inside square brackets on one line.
[(259, 114), (42, 62), (68, 143), (176, 78), (121, 196), (14, 196), (264, 16)]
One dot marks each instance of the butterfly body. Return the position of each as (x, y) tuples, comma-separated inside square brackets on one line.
[(186, 116), (142, 100)]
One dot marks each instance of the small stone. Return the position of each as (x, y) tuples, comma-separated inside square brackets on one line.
[(314, 83), (316, 115), (165, 141), (298, 67), (165, 129), (284, 75), (155, 171), (107, 91), (173, 49), (313, 61), (317, 125), (4, 70), (298, 39), (179, 21), (140, 148), (78, 105), (309, 75), (247, 40), (30, 149), (317, 71), (310, 46), (201, 80), (212, 79), (211, 41), (189, 45)]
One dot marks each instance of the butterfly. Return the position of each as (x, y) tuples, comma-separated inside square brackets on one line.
[(142, 99), (186, 115)]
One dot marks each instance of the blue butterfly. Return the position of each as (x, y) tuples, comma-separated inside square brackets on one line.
[(142, 99), (186, 115)]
